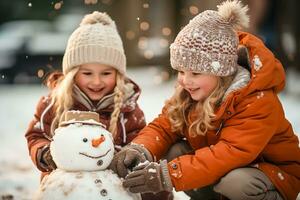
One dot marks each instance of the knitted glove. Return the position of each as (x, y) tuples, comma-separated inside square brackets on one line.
[(46, 158), (149, 177), (127, 158)]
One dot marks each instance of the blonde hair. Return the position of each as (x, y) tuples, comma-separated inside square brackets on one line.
[(118, 103), (62, 97), (63, 101), (182, 107)]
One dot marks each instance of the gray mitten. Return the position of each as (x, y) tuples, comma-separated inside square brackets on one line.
[(149, 177), (129, 157), (46, 158)]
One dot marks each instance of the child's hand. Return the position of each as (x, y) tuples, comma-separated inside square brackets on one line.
[(47, 159), (149, 177), (126, 159)]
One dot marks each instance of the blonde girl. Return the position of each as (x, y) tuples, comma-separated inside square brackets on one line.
[(223, 133), (93, 79)]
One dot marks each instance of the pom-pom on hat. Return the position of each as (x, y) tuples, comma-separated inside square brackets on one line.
[(208, 44), (96, 40)]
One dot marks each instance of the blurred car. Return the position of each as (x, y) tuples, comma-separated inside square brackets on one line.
[(13, 38), (68, 22), (36, 50)]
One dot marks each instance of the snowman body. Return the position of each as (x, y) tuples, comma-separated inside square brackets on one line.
[(82, 153)]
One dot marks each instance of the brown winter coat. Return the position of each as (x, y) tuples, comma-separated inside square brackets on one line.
[(251, 130), (131, 121)]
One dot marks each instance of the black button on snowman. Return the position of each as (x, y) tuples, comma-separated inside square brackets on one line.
[(82, 149)]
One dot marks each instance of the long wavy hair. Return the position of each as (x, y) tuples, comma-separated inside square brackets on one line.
[(182, 109), (63, 100)]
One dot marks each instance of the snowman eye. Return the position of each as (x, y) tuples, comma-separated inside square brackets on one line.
[(84, 139)]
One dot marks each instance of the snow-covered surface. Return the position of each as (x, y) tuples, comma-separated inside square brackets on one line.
[(20, 178), (92, 185)]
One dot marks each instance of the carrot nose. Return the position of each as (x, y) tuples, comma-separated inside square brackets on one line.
[(96, 142)]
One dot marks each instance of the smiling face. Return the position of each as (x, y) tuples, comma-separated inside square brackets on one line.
[(96, 80), (198, 85), (78, 147)]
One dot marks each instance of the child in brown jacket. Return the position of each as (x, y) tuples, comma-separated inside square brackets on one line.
[(93, 79)]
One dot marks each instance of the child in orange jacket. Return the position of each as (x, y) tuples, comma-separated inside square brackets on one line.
[(223, 132)]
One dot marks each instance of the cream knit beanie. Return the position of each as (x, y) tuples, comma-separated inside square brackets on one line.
[(96, 40), (208, 44)]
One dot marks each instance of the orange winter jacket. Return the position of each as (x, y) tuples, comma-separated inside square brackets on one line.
[(251, 130)]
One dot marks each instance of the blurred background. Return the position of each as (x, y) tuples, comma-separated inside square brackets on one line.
[(34, 34)]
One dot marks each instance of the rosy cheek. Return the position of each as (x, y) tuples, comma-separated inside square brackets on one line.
[(180, 82)]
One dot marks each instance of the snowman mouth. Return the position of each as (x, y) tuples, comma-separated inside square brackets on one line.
[(95, 157)]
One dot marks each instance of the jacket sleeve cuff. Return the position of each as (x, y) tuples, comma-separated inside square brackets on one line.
[(165, 174)]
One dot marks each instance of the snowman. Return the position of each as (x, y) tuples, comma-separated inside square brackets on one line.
[(82, 149)]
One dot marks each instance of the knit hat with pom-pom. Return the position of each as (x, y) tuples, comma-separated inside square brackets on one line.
[(208, 44), (96, 40)]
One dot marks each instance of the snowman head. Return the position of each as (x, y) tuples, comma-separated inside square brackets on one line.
[(82, 143)]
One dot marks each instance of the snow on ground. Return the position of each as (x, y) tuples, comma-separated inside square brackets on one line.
[(19, 177)]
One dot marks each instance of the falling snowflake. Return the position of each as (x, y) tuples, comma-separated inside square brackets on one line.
[(260, 95), (177, 174), (29, 4), (58, 5), (90, 2), (257, 63), (145, 5), (280, 175)]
